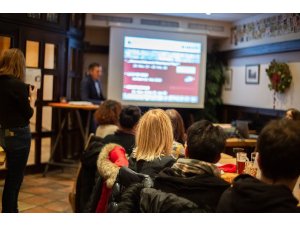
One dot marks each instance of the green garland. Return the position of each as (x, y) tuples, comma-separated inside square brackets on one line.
[(280, 76)]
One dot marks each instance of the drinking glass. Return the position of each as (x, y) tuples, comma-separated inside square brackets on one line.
[(241, 159)]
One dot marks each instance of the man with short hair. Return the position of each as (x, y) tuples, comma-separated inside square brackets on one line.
[(279, 161), (125, 135), (196, 177), (91, 88)]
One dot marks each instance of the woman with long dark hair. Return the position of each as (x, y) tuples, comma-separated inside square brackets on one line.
[(16, 108), (178, 133)]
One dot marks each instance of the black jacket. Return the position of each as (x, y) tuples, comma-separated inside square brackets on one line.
[(205, 190), (15, 110), (249, 194), (151, 168), (88, 174), (126, 140), (126, 178), (137, 199), (156, 201), (88, 91)]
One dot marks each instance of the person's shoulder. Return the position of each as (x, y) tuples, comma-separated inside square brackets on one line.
[(166, 161), (14, 83), (169, 158), (224, 204), (109, 138)]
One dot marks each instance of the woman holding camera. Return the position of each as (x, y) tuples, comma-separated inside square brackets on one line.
[(16, 108)]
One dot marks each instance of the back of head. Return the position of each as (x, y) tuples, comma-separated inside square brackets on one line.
[(279, 150), (205, 141), (12, 62), (129, 116), (177, 124), (154, 135), (108, 113), (292, 114)]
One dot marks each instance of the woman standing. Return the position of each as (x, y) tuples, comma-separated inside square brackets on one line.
[(16, 102)]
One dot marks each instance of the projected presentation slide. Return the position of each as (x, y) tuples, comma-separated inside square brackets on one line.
[(161, 70)]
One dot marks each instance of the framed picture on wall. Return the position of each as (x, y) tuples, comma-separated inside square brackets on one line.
[(252, 74), (228, 79)]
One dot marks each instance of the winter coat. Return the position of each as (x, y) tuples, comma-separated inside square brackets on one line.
[(198, 181), (95, 196), (248, 194), (125, 179), (156, 201), (151, 168), (126, 140), (111, 158), (88, 173), (137, 198)]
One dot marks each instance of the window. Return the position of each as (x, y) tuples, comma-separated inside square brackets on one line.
[(50, 56), (48, 88), (32, 121), (47, 118), (5, 43), (32, 54), (46, 149)]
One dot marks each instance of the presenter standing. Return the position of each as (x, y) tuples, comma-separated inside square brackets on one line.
[(16, 108), (91, 88)]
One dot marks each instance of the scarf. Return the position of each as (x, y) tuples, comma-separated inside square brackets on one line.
[(190, 167)]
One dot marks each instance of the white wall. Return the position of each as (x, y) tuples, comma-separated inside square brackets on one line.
[(259, 95), (208, 28)]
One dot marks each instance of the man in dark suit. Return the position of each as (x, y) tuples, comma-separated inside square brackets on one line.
[(91, 88)]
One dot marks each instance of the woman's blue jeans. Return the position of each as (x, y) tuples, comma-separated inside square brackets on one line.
[(17, 147)]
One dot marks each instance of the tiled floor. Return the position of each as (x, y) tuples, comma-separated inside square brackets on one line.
[(46, 195)]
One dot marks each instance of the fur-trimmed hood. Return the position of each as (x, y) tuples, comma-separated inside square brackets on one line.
[(111, 158)]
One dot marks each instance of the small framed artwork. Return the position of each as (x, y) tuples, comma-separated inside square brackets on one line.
[(252, 74), (228, 79)]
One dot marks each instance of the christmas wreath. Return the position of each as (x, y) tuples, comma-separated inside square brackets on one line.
[(280, 76)]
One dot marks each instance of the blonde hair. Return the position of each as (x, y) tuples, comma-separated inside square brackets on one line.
[(12, 63), (154, 136)]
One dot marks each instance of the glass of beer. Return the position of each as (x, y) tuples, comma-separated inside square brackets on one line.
[(241, 159)]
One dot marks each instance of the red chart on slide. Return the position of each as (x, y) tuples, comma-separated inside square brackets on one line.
[(161, 71)]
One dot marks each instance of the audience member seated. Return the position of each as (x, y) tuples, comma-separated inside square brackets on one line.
[(111, 158), (125, 135), (154, 140), (107, 118), (279, 156), (125, 179), (292, 114), (178, 132), (87, 176), (138, 198), (196, 177)]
